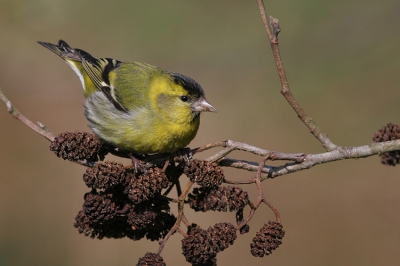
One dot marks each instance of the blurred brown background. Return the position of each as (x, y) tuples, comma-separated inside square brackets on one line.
[(343, 62)]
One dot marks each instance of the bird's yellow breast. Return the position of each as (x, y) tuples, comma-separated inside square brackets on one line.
[(158, 137)]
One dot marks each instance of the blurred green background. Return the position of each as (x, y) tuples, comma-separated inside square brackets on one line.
[(342, 59)]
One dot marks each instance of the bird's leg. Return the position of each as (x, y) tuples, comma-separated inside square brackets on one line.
[(138, 164), (165, 165)]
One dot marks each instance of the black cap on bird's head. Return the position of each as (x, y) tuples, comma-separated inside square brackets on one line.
[(194, 89), (188, 84)]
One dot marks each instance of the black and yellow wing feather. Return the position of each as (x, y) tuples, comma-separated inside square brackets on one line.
[(93, 72)]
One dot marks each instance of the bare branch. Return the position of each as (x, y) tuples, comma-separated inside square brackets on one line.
[(285, 90), (39, 127), (181, 216), (310, 160)]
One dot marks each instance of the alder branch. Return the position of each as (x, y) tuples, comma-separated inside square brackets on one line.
[(39, 127), (180, 218), (310, 160), (285, 90), (231, 146)]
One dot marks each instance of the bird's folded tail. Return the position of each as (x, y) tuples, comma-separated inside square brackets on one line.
[(63, 50), (74, 58)]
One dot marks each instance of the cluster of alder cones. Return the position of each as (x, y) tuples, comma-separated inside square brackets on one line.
[(127, 202)]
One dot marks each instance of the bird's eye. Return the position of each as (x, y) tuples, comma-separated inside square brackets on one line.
[(184, 98)]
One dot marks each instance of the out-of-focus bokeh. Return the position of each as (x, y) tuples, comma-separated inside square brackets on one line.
[(343, 63)]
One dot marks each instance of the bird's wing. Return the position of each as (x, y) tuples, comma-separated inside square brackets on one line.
[(98, 71), (132, 83)]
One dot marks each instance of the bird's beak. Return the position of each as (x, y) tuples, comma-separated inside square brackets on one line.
[(201, 105)]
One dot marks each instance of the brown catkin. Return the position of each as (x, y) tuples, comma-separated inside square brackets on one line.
[(267, 239), (77, 146), (218, 199), (204, 173), (388, 133)]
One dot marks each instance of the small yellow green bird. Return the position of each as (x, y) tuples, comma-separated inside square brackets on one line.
[(135, 106)]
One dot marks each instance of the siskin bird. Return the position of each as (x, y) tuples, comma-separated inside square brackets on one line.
[(135, 106)]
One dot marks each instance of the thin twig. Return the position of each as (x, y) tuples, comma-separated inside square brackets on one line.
[(181, 232), (242, 182), (209, 146), (260, 198), (285, 90), (231, 145), (221, 154), (39, 127), (179, 218), (185, 220), (275, 210)]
